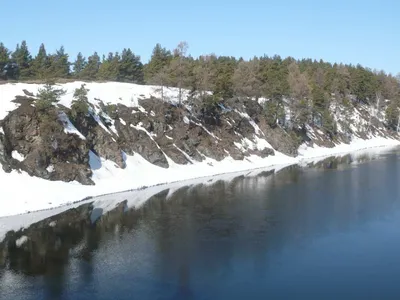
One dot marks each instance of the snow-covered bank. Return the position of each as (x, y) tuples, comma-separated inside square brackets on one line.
[(22, 193), (135, 198)]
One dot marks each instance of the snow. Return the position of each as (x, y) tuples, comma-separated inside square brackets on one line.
[(68, 126), (16, 155), (50, 169), (22, 193), (39, 194), (22, 240), (356, 144)]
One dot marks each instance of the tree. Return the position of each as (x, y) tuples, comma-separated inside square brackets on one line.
[(180, 53), (41, 63), (79, 65), (203, 74), (80, 103), (110, 67), (160, 58), (161, 80), (59, 67), (4, 56), (298, 83), (363, 84), (299, 96), (130, 67), (48, 96), (392, 114), (274, 112), (224, 70), (246, 79), (23, 58), (91, 69)]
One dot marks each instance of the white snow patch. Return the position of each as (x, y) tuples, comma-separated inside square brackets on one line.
[(68, 126), (122, 121), (22, 240), (18, 156), (50, 168)]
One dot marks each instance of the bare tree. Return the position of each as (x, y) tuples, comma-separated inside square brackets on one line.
[(203, 74), (246, 81), (298, 82), (161, 80), (180, 53), (300, 108)]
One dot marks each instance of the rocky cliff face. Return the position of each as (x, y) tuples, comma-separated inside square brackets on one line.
[(51, 146)]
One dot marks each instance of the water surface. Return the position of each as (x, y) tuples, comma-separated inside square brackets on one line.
[(303, 233)]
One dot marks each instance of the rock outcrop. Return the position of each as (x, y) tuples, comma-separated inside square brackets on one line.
[(50, 145)]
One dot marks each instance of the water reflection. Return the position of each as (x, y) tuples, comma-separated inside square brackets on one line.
[(208, 242)]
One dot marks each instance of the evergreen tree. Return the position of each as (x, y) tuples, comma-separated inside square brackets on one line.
[(79, 65), (23, 58), (160, 58), (109, 68), (223, 79), (130, 67), (80, 103), (41, 64), (48, 96), (58, 64), (91, 69), (4, 56)]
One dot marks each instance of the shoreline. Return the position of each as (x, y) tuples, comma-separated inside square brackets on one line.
[(137, 197), (37, 194)]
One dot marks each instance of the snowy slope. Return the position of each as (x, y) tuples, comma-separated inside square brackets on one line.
[(21, 193)]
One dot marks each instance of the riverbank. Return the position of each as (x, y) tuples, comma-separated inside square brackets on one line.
[(27, 194)]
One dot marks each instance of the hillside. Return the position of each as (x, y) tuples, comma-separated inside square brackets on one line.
[(126, 138)]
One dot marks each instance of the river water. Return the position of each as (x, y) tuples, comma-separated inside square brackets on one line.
[(327, 232)]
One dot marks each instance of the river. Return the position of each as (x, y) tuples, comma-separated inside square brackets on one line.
[(331, 231)]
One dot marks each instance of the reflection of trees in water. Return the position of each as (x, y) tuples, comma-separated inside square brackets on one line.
[(204, 229)]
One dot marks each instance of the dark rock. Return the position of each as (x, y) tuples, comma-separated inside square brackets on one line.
[(132, 140), (27, 93), (42, 142)]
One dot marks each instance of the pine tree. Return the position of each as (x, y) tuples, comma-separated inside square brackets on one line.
[(48, 96), (41, 64), (109, 68), (130, 67), (80, 103), (78, 65), (59, 65), (160, 58), (223, 81), (23, 58), (4, 56), (92, 67)]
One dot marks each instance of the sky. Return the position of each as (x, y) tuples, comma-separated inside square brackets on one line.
[(352, 31)]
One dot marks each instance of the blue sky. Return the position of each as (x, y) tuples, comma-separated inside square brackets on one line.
[(352, 31)]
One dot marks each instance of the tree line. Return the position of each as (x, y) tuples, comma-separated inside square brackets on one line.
[(309, 87)]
